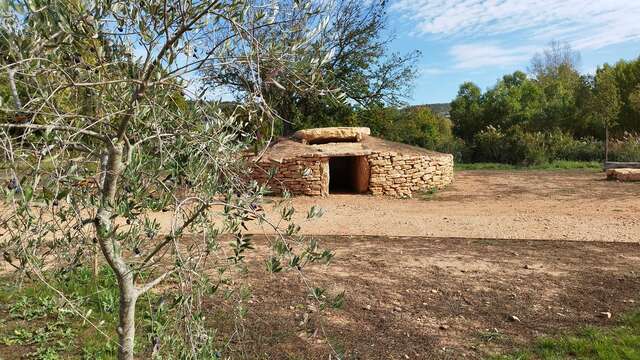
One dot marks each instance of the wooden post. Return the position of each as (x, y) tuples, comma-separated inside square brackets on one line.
[(606, 143)]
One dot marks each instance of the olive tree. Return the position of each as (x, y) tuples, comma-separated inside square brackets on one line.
[(112, 147)]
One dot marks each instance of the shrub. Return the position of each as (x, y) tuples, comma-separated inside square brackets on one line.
[(458, 148), (562, 146), (519, 147), (625, 149), (526, 148), (514, 147), (488, 145)]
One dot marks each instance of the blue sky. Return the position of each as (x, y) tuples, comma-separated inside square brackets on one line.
[(481, 40)]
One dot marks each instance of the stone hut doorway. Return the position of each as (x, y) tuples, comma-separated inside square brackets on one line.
[(348, 174)]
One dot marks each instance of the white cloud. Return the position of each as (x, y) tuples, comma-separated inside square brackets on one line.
[(586, 24), (474, 56), (433, 71)]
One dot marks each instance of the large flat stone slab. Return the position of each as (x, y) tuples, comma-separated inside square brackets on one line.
[(623, 174), (332, 134)]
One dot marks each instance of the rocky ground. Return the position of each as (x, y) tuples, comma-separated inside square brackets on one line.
[(488, 265), (430, 298), (569, 205)]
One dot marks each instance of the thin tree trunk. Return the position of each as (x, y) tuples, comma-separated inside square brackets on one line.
[(112, 252), (127, 320), (14, 90), (102, 174)]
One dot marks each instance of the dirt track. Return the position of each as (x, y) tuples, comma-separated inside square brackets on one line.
[(417, 298), (567, 205)]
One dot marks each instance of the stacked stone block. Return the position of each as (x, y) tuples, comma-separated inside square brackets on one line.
[(301, 176), (401, 175)]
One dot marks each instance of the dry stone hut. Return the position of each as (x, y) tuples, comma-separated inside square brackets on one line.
[(348, 160)]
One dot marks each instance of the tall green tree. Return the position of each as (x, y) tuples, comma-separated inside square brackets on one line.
[(606, 102), (514, 100), (556, 73), (627, 75), (634, 99), (357, 69), (467, 111)]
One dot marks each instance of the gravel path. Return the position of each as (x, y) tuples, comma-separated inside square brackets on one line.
[(568, 205)]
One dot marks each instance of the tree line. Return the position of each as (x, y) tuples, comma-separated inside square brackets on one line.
[(552, 112)]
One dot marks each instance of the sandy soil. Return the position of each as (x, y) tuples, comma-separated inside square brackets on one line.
[(569, 205), (429, 298), (415, 288)]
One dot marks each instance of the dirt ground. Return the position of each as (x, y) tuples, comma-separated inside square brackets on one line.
[(460, 273), (424, 298), (568, 205)]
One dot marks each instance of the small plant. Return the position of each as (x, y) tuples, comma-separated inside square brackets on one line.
[(30, 308), (429, 193), (490, 335)]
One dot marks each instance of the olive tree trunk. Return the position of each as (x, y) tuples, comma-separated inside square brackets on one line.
[(14, 90), (126, 319), (112, 252)]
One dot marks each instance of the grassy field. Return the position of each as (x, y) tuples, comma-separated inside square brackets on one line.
[(555, 165)]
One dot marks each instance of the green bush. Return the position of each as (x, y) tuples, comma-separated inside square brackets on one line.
[(421, 127), (489, 145), (519, 147), (625, 149), (526, 148), (458, 148), (513, 147), (416, 125), (562, 146)]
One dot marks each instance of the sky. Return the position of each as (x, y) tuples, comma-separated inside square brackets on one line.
[(481, 40)]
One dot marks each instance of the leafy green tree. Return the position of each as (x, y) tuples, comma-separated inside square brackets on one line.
[(634, 100), (606, 102), (514, 100), (418, 125), (111, 140), (556, 74), (467, 111), (357, 69), (627, 75)]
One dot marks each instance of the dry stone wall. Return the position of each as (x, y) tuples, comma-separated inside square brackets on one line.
[(391, 174), (301, 176), (402, 175)]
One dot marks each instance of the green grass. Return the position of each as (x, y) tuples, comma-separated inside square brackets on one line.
[(620, 342), (35, 323), (555, 165)]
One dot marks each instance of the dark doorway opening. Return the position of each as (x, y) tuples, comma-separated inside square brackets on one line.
[(348, 174)]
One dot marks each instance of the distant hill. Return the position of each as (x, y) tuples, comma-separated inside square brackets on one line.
[(439, 108)]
